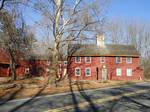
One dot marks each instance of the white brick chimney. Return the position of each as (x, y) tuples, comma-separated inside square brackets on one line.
[(100, 40)]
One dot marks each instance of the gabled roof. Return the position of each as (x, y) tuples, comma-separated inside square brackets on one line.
[(106, 50)]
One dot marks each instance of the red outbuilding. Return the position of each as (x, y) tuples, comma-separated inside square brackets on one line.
[(103, 62)]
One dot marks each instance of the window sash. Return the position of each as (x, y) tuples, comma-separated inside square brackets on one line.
[(118, 59), (77, 59), (77, 71), (88, 71), (118, 72), (88, 59), (65, 62), (129, 72), (102, 59), (129, 60)]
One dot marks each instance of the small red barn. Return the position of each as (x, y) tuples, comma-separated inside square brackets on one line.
[(103, 62)]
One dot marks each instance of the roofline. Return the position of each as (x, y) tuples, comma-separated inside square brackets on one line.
[(105, 55)]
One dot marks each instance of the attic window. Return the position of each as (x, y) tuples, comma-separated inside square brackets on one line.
[(118, 59), (77, 59)]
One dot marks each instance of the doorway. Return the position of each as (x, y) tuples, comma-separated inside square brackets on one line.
[(97, 73), (104, 74)]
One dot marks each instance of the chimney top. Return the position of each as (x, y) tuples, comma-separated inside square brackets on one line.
[(100, 40)]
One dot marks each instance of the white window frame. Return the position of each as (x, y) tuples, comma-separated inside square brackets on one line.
[(128, 58), (48, 62), (86, 60), (27, 70), (120, 60), (86, 70), (101, 59), (127, 72), (65, 62), (76, 59), (75, 71), (117, 73)]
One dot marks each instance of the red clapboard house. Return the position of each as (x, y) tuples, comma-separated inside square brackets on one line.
[(103, 62)]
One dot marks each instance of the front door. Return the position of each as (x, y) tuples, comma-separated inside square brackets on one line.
[(104, 74)]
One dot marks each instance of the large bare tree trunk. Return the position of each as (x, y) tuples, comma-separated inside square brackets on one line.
[(57, 39), (13, 65), (13, 69)]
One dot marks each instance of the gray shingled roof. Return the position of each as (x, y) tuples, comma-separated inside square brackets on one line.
[(107, 50)]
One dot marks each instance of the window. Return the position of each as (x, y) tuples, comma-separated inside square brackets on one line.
[(59, 69), (27, 71), (129, 72), (48, 70), (118, 71), (88, 59), (102, 59), (129, 60), (77, 59), (118, 59), (77, 71), (48, 62), (65, 62), (88, 71)]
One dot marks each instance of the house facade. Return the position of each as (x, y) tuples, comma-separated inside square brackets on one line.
[(104, 62)]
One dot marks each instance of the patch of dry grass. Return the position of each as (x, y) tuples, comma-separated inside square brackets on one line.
[(63, 86)]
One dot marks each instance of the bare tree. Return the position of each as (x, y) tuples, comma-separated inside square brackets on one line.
[(14, 40), (67, 21)]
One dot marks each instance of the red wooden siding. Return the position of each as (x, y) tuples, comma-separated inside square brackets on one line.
[(111, 65)]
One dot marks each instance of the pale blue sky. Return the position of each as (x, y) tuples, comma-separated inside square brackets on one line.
[(130, 9)]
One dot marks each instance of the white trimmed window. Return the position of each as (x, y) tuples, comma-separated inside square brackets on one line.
[(48, 62), (88, 59), (77, 59), (102, 59), (118, 72), (47, 70), (129, 60), (77, 71), (88, 71), (118, 59), (65, 62), (129, 72), (27, 71)]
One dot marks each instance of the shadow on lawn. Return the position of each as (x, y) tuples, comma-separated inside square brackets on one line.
[(28, 101), (11, 96)]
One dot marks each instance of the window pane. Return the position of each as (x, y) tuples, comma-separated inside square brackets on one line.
[(129, 72), (77, 59), (118, 72), (102, 59), (129, 60), (88, 71), (118, 59), (88, 59), (77, 71)]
